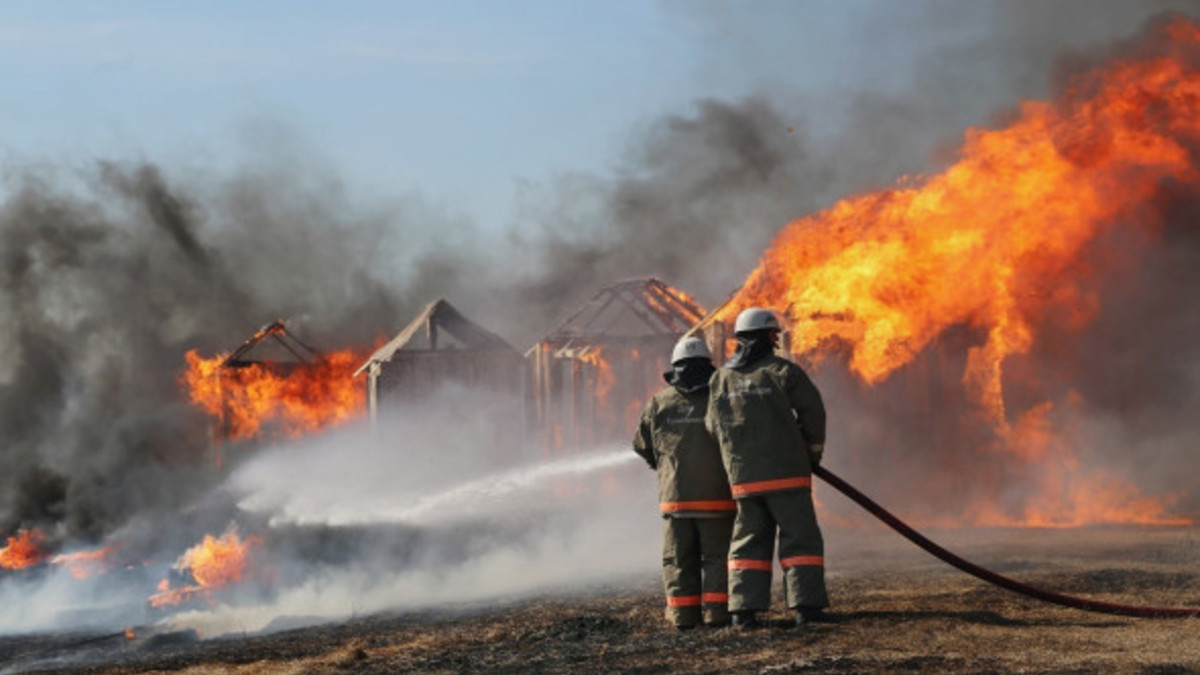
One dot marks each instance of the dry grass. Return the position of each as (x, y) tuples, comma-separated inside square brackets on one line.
[(898, 611)]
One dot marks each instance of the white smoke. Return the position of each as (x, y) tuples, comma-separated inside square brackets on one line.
[(476, 522), (441, 502)]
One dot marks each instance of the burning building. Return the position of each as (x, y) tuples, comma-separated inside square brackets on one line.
[(439, 346), (1002, 301), (274, 384), (589, 377)]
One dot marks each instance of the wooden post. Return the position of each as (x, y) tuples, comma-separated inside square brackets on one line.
[(373, 374)]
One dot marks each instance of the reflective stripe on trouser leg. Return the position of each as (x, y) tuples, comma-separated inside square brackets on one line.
[(801, 548), (750, 553), (714, 554), (681, 571)]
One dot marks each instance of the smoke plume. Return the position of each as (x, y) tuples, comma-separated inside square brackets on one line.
[(112, 273), (106, 285)]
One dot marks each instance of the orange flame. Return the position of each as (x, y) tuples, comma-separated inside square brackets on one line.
[(1069, 493), (992, 242), (658, 306), (616, 407), (995, 242), (24, 550), (291, 401), (84, 564), (605, 379), (214, 563)]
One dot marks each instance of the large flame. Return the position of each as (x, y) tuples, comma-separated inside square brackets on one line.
[(289, 400), (24, 550), (996, 242), (214, 563)]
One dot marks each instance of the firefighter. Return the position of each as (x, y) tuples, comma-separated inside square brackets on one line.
[(693, 492), (769, 420)]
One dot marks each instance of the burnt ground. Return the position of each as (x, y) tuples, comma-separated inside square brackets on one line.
[(897, 611)]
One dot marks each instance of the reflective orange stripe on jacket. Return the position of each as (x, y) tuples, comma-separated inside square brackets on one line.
[(683, 601), (716, 598), (743, 489), (802, 560), (710, 505), (745, 564)]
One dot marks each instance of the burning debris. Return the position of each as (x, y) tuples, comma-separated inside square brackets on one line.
[(86, 564), (213, 564), (27, 549)]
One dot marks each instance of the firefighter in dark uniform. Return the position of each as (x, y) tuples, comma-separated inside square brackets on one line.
[(769, 420), (693, 492)]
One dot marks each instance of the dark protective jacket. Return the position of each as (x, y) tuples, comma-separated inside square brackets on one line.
[(764, 415), (672, 439)]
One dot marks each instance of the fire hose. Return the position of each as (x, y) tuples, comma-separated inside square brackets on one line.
[(993, 577)]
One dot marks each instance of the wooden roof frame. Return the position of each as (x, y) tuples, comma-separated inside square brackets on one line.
[(439, 315), (277, 332), (661, 308)]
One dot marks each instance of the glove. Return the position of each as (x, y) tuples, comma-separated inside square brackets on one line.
[(815, 451)]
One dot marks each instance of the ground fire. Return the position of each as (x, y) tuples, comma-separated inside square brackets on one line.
[(85, 564), (24, 550), (213, 564)]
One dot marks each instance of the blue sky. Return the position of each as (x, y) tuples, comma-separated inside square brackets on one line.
[(458, 101), (453, 99)]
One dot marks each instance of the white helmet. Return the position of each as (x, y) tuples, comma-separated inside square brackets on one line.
[(755, 318), (689, 348)]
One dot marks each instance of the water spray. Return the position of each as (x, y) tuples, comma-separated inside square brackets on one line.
[(470, 498), (496, 486)]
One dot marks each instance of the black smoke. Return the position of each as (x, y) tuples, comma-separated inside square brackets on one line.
[(107, 281), (112, 272), (702, 193)]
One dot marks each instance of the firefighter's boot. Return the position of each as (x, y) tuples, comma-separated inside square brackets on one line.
[(806, 616), (746, 620)]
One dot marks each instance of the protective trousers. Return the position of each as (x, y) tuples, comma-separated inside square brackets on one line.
[(801, 551), (695, 577)]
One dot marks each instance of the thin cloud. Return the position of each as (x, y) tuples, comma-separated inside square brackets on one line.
[(57, 34)]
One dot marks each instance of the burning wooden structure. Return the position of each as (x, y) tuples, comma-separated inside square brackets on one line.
[(273, 384), (273, 348), (588, 379), (439, 346), (272, 344)]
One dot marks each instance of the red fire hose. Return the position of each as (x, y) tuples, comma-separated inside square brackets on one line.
[(992, 577)]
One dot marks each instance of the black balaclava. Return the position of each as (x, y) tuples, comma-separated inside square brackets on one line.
[(690, 375), (751, 347)]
